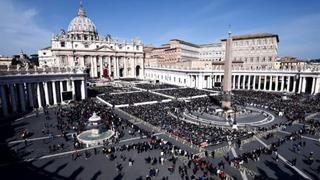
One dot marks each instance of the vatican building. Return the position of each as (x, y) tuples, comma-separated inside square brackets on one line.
[(82, 47), (92, 106)]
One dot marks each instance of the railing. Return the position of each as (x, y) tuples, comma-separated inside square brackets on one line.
[(52, 70)]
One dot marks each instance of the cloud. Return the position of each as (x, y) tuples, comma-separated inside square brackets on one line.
[(19, 29)]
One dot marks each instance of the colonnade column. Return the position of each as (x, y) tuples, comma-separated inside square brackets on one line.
[(254, 82), (101, 66), (30, 94), (282, 83), (249, 82), (265, 83), (73, 90), (244, 82), (294, 84), (259, 85), (234, 82), (22, 97), (61, 90), (317, 85), (289, 83), (303, 85), (13, 98), (46, 93), (83, 90), (270, 83), (277, 82), (39, 95), (109, 66), (4, 101), (239, 80), (54, 92)]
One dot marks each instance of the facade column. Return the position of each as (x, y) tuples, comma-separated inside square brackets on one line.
[(46, 93), (244, 82), (124, 67), (95, 66), (249, 82), (73, 90), (109, 66), (61, 90), (282, 83), (270, 83), (13, 98), (30, 94), (54, 92), (234, 82), (91, 67), (4, 101), (277, 82), (118, 74), (300, 85), (265, 83), (313, 85), (239, 80), (316, 91), (39, 95), (22, 97), (288, 85), (254, 82), (303, 85), (83, 90), (259, 85), (101, 66), (294, 84)]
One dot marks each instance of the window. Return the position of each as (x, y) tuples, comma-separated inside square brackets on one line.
[(86, 46), (44, 53), (62, 44)]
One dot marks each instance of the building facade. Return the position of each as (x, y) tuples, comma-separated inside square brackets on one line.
[(82, 47)]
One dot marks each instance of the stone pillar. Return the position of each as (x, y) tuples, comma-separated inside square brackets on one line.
[(73, 90), (270, 83), (101, 66), (46, 93), (276, 83), (91, 67), (95, 66), (83, 90), (109, 66), (288, 85), (30, 94), (265, 83), (259, 85), (125, 67), (317, 86), (22, 97), (249, 82), (117, 66), (300, 85), (294, 84), (234, 82), (61, 90), (244, 82), (254, 82), (303, 84), (4, 101), (282, 83), (313, 85), (239, 80), (39, 95), (54, 92), (13, 98)]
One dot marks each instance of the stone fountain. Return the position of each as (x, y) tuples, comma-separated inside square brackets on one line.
[(94, 135)]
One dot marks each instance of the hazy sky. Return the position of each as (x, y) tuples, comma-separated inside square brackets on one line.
[(28, 24)]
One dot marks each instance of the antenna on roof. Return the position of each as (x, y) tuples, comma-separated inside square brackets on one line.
[(229, 31)]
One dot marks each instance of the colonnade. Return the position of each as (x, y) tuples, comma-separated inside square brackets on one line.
[(16, 97)]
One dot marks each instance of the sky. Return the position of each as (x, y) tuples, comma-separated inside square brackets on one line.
[(28, 25)]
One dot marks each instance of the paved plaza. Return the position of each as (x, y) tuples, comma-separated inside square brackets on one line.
[(48, 153)]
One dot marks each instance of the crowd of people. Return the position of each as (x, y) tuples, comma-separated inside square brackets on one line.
[(131, 98), (183, 92), (158, 115), (155, 86)]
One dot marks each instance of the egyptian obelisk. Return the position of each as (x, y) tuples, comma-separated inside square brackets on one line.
[(226, 101)]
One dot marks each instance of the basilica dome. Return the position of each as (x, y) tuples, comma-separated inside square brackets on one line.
[(81, 23)]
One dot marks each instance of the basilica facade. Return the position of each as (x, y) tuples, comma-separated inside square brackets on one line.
[(81, 47)]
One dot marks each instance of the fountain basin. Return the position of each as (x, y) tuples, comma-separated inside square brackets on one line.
[(92, 138)]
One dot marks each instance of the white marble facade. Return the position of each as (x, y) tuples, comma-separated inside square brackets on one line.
[(82, 47)]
